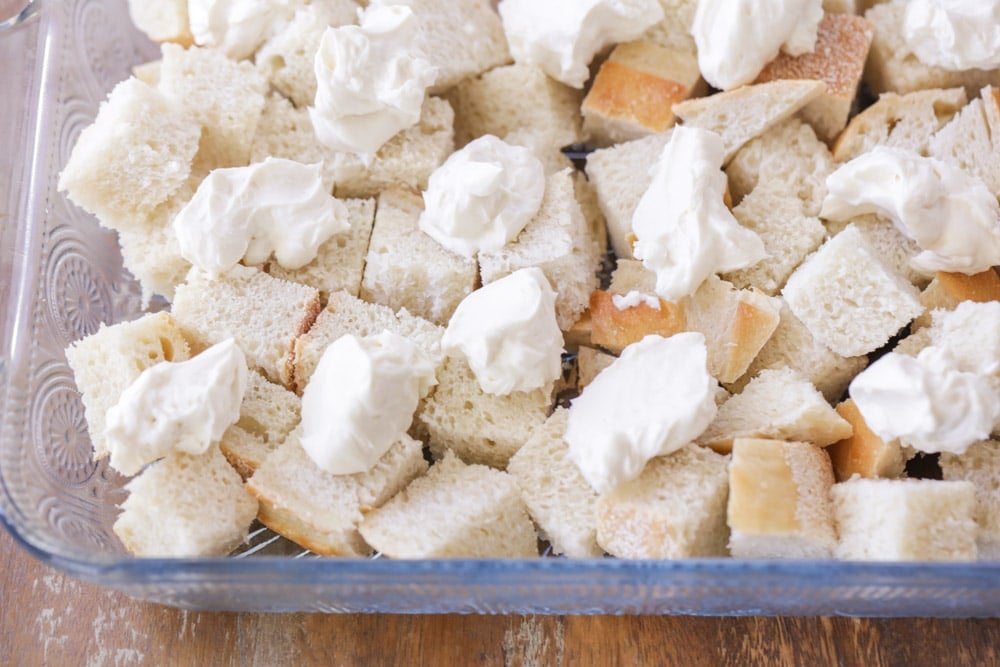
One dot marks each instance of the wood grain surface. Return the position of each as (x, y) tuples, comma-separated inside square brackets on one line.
[(47, 618)]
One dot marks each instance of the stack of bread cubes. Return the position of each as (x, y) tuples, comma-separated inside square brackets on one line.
[(788, 468)]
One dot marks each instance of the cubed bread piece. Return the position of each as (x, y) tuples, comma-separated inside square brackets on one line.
[(629, 275), (461, 38), (788, 156), (137, 153), (675, 509), (347, 314), (980, 464), (105, 363), (912, 345), (269, 410), (153, 257), (340, 262), (971, 140), (287, 59), (186, 505), (406, 268), (674, 31), (226, 97), (589, 363), (620, 175), (634, 89), (615, 328), (894, 67), (899, 121), (322, 511), (516, 98), (864, 453), (779, 404), (586, 196), (889, 244), (480, 427), (244, 451), (947, 290), (791, 345), (454, 511), (264, 315), (848, 298), (408, 159), (746, 112), (558, 241), (779, 500), (165, 21), (789, 235), (912, 519), (838, 60), (559, 500)]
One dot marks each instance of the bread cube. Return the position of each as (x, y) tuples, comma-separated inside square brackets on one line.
[(269, 410), (980, 464), (863, 453), (559, 500), (903, 520), (947, 290), (847, 298), (674, 31), (454, 511), (779, 500), (615, 328), (894, 248), (245, 451), (675, 509), (589, 364), (971, 140), (162, 21)]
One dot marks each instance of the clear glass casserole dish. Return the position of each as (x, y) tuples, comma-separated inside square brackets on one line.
[(61, 275)]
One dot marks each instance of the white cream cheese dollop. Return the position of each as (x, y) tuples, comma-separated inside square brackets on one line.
[(482, 196), (925, 401), (950, 214), (737, 38), (371, 81), (684, 231), (183, 406), (633, 299), (563, 36), (277, 207), (954, 34), (507, 331), (655, 398), (361, 399), (237, 27)]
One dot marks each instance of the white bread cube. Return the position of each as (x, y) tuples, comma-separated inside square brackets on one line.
[(899, 121), (226, 97), (153, 255), (346, 314), (674, 31), (746, 112), (971, 140), (479, 427), (778, 404), (268, 414), (620, 175), (454, 511), (559, 241), (105, 363), (980, 464), (516, 98), (245, 451), (791, 345), (185, 505), (675, 509), (590, 206), (590, 363), (779, 500), (164, 21), (559, 500), (947, 290), (133, 158), (902, 520), (322, 511), (890, 245), (264, 315), (406, 268), (863, 453), (848, 298), (340, 262)]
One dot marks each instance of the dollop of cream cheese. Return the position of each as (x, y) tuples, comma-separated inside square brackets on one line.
[(954, 34), (950, 214), (925, 401), (184, 406), (237, 27), (737, 38), (628, 414), (482, 196), (633, 299), (508, 334), (563, 36), (371, 81), (684, 231), (361, 399), (276, 207)]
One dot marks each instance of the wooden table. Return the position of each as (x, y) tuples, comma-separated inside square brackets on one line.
[(50, 619)]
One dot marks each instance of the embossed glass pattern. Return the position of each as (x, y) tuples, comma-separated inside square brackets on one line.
[(61, 275)]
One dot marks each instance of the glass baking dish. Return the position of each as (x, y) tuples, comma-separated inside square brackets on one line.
[(61, 275)]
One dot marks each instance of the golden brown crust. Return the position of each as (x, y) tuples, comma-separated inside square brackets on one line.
[(752, 327), (864, 453), (980, 287), (614, 329), (579, 334), (286, 524), (629, 95)]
